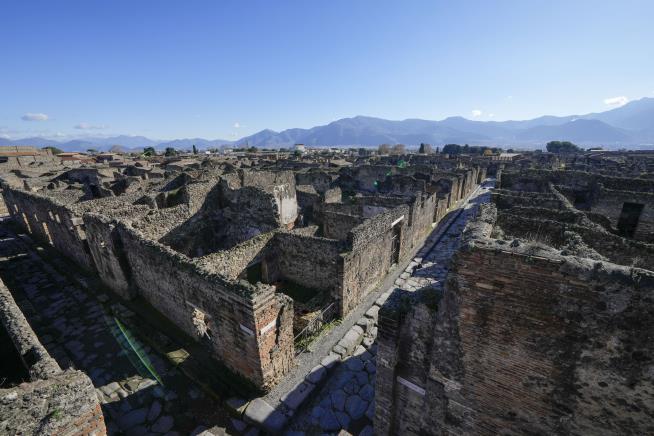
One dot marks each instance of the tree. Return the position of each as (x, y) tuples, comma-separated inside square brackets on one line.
[(562, 147), (252, 149), (149, 151), (452, 149), (53, 150), (195, 149), (170, 151), (424, 148), (398, 149), (384, 149), (91, 151), (117, 149)]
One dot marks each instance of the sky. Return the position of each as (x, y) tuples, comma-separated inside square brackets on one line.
[(222, 69)]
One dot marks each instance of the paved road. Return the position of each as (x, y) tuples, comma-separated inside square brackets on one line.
[(78, 329), (346, 400)]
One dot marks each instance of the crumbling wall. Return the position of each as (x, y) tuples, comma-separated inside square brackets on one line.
[(337, 225), (308, 261), (370, 258), (50, 222), (519, 343), (239, 315), (54, 401)]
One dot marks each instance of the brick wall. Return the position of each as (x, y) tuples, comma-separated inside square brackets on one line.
[(519, 344)]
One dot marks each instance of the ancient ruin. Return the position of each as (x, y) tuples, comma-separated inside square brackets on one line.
[(331, 291)]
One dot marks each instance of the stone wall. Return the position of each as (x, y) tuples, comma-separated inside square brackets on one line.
[(522, 341), (241, 317), (50, 222), (54, 401), (309, 261), (370, 257)]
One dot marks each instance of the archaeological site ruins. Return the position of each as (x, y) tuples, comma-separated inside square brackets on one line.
[(329, 291)]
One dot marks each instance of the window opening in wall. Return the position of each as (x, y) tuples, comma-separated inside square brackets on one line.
[(47, 233), (628, 221), (396, 231), (27, 223)]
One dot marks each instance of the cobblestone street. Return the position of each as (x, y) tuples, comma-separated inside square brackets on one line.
[(79, 330), (346, 399)]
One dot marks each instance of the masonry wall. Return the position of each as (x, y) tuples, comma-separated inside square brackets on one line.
[(517, 345), (369, 260), (53, 401), (241, 321), (51, 223), (308, 261), (337, 225), (609, 204)]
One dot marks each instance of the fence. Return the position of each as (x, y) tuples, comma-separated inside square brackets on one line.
[(304, 338)]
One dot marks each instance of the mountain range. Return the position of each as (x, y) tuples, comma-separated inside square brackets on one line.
[(629, 126)]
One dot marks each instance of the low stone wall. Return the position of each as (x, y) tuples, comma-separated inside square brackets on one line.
[(54, 401)]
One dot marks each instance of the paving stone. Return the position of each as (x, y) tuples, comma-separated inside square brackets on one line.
[(338, 399), (373, 313), (367, 431), (370, 411), (163, 424), (343, 419), (354, 364), (329, 421), (139, 430), (355, 406), (297, 394), (133, 418), (263, 415), (367, 392), (155, 410), (238, 425)]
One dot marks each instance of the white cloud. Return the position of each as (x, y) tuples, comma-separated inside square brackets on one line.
[(237, 125), (34, 117), (476, 113), (491, 115), (509, 97), (87, 126), (616, 101), (4, 136)]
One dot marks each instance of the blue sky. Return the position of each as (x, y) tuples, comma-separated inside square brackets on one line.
[(226, 69)]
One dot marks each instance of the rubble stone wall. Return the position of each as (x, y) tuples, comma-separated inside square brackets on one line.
[(54, 401), (51, 223), (519, 344), (239, 317)]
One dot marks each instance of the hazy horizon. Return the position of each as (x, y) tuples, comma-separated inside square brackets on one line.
[(230, 69)]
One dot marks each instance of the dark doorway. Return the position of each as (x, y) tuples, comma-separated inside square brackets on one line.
[(629, 217), (396, 231), (581, 200)]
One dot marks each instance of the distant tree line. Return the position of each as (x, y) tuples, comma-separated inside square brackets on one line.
[(467, 149), (562, 147)]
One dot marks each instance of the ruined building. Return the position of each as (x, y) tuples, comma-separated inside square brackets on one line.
[(242, 255), (544, 323)]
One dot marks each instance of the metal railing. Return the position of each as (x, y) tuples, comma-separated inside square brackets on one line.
[(303, 339)]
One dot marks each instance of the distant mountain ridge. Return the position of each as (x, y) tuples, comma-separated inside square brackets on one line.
[(631, 125)]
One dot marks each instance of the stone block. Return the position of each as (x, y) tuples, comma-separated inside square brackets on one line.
[(296, 396), (316, 375), (264, 416)]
